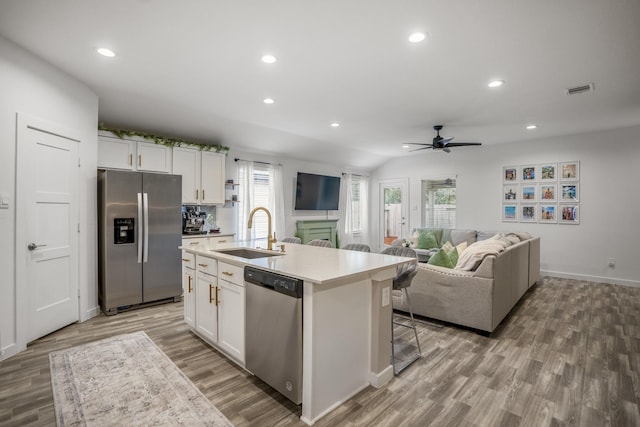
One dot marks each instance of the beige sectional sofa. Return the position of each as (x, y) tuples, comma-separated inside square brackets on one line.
[(478, 299)]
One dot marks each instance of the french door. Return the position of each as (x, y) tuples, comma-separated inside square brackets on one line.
[(394, 211)]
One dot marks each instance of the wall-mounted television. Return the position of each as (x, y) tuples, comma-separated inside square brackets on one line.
[(317, 192)]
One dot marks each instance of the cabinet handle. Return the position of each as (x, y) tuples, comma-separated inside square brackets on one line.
[(217, 297), (227, 273), (186, 259), (139, 160), (222, 241), (194, 243), (211, 295), (203, 194), (196, 194), (130, 159), (203, 265), (189, 287)]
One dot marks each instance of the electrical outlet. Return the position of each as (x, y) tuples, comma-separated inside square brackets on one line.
[(611, 262)]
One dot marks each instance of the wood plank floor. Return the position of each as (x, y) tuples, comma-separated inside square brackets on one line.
[(568, 354)]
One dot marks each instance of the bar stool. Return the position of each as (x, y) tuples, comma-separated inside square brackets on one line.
[(360, 247), (404, 275), (291, 240), (320, 242)]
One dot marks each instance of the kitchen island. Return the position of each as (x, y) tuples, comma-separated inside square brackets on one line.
[(346, 319)]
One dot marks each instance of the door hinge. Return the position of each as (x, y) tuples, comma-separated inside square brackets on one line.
[(78, 227), (78, 161)]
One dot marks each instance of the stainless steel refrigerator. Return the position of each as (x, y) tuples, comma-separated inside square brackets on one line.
[(139, 231)]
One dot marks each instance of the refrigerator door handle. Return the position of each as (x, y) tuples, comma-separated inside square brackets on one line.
[(145, 206), (140, 231)]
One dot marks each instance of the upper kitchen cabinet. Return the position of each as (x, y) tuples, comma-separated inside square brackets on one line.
[(132, 154), (202, 173)]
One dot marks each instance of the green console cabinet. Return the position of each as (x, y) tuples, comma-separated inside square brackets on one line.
[(318, 229)]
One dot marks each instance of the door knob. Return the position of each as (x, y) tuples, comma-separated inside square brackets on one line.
[(33, 246)]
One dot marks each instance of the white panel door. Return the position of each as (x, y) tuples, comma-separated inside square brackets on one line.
[(212, 178), (189, 296), (231, 319), (207, 306), (153, 157), (115, 153), (186, 162), (394, 211), (47, 227)]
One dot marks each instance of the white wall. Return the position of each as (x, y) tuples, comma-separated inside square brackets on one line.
[(31, 86), (290, 167), (609, 199)]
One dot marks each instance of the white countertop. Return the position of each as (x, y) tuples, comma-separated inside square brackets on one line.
[(311, 263), (201, 236)]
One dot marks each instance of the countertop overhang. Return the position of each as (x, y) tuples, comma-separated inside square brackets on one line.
[(310, 263)]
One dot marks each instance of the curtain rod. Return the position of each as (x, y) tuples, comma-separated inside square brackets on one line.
[(256, 161), (354, 174)]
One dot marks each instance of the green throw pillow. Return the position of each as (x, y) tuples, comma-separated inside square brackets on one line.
[(426, 240), (453, 255), (441, 259)]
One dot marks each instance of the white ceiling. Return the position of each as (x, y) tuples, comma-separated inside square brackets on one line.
[(192, 69)]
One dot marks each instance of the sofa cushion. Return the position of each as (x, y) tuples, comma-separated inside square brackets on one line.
[(441, 259), (459, 236), (523, 235), (474, 254), (427, 240)]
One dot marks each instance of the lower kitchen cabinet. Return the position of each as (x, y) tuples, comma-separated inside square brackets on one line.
[(207, 306), (214, 303)]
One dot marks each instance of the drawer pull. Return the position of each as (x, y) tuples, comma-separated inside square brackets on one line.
[(186, 260), (203, 265), (227, 273), (194, 243), (211, 295), (217, 298), (139, 159), (222, 241), (189, 287)]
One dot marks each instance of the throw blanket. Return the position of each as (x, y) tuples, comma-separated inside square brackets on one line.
[(471, 258)]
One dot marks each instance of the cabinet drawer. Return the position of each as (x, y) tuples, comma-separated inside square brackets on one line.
[(188, 260), (220, 240), (194, 241), (231, 273), (206, 265)]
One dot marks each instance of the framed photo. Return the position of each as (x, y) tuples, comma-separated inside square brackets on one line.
[(509, 193), (509, 174), (569, 192), (548, 172), (569, 171), (548, 213), (510, 213), (548, 192), (529, 173), (569, 214), (528, 193), (528, 212)]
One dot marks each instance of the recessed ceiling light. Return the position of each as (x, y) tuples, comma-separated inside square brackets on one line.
[(417, 37), (269, 59), (405, 145), (335, 124), (532, 127), (269, 101), (106, 52), (496, 83)]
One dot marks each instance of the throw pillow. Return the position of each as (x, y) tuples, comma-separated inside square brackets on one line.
[(426, 240), (453, 256), (447, 247), (441, 259), (461, 247)]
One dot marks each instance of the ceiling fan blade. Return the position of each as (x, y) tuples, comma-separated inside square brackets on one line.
[(426, 146), (462, 144), (447, 140)]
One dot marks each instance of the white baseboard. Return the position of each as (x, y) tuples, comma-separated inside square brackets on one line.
[(90, 313), (597, 279), (381, 378), (10, 350)]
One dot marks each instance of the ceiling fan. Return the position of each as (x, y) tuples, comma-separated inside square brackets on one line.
[(440, 143)]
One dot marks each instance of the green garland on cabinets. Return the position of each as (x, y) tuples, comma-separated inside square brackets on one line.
[(163, 140)]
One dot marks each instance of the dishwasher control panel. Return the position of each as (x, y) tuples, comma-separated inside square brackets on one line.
[(279, 283)]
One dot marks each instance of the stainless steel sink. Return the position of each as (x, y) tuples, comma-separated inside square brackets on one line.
[(246, 253)]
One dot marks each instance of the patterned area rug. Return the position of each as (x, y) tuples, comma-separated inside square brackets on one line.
[(126, 380)]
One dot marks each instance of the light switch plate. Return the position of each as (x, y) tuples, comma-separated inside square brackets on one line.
[(4, 201)]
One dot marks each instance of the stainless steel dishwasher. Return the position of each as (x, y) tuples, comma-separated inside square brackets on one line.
[(273, 340)]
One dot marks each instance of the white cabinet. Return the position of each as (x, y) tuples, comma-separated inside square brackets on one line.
[(189, 288), (207, 306), (218, 304), (202, 175), (132, 154), (231, 316)]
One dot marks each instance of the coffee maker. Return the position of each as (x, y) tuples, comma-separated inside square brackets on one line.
[(193, 221)]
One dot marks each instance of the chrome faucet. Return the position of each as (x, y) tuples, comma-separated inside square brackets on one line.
[(270, 240)]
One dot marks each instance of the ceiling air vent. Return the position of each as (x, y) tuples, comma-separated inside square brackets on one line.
[(579, 89)]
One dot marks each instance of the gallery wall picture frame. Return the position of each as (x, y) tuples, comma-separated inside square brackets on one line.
[(510, 213), (548, 192), (510, 174), (569, 192), (528, 193), (569, 214), (548, 213), (548, 172), (529, 173), (528, 212), (509, 193), (570, 171)]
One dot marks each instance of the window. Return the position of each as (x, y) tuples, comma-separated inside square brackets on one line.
[(356, 204), (439, 201), (257, 187)]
